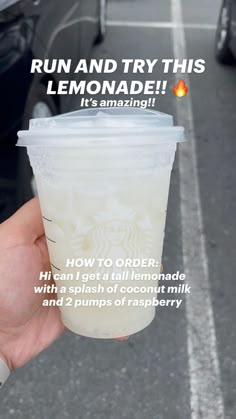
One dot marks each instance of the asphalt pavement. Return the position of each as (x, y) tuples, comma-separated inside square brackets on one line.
[(151, 374)]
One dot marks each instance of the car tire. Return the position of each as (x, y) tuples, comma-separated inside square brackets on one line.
[(102, 21), (39, 105), (223, 53)]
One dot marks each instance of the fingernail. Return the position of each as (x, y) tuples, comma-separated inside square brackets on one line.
[(123, 338)]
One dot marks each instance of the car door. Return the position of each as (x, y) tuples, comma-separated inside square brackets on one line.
[(88, 27), (57, 35), (57, 31)]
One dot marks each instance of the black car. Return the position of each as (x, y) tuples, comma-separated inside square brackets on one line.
[(64, 29), (225, 42)]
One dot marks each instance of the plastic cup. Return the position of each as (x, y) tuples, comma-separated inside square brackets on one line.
[(103, 180)]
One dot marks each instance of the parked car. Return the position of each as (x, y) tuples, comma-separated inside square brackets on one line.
[(225, 41), (37, 29)]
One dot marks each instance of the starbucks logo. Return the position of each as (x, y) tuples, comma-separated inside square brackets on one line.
[(116, 232)]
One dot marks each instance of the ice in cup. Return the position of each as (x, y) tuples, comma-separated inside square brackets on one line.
[(103, 180)]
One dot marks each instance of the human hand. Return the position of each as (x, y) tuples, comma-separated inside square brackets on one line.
[(26, 327)]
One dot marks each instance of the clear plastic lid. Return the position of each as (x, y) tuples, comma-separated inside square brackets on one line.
[(102, 126)]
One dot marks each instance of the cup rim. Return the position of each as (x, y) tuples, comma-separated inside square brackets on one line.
[(101, 138)]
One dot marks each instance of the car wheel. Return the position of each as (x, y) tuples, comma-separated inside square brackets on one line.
[(39, 105), (222, 50), (102, 21)]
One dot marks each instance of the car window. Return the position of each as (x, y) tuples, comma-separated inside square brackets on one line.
[(7, 3)]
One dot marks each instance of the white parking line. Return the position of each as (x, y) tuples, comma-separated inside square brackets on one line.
[(159, 25), (204, 371)]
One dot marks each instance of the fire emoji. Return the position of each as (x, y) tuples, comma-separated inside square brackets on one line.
[(180, 89)]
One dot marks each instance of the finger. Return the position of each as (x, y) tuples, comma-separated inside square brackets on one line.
[(41, 242), (26, 225)]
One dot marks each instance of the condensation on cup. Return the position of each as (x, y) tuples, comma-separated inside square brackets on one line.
[(103, 177)]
